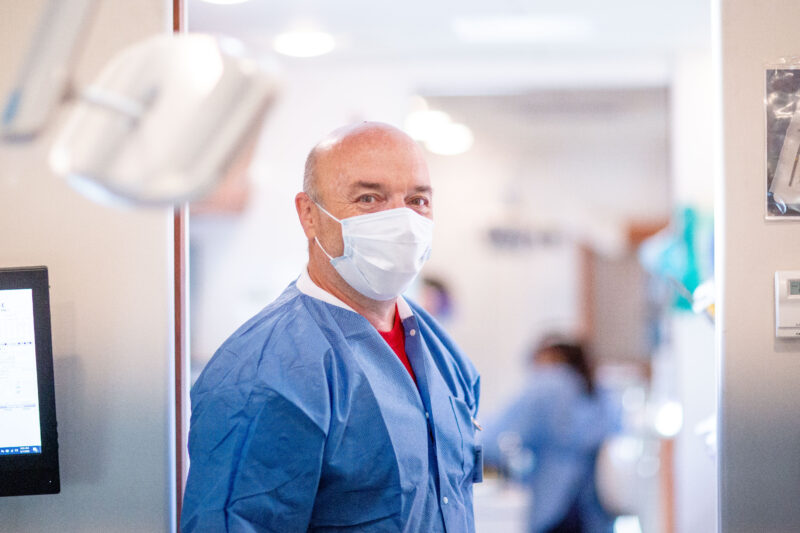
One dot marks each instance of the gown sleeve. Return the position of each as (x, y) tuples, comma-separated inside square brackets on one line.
[(255, 465)]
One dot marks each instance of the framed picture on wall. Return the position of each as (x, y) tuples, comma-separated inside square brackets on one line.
[(782, 109)]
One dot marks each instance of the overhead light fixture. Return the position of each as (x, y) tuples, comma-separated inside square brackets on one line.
[(304, 43), (437, 131), (164, 122), (420, 124), (450, 139), (503, 29)]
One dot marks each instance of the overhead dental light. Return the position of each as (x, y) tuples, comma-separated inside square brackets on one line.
[(304, 43), (164, 120)]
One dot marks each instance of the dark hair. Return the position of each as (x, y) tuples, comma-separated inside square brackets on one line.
[(575, 356)]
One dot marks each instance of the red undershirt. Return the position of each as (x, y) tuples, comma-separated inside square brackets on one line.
[(396, 339)]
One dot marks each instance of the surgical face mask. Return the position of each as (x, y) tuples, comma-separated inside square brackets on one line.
[(383, 251)]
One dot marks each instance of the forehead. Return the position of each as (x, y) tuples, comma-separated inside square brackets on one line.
[(384, 156)]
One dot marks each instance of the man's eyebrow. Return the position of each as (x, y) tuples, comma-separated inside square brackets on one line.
[(376, 186), (371, 185)]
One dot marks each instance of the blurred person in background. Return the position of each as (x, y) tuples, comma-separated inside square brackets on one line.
[(549, 438), (435, 297)]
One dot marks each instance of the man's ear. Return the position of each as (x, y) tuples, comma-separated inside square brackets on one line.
[(305, 212)]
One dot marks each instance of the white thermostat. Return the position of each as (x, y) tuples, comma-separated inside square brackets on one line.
[(787, 303)]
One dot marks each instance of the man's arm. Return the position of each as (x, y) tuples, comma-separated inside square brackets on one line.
[(255, 468)]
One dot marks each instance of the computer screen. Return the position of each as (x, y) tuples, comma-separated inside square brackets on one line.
[(20, 430), (28, 432)]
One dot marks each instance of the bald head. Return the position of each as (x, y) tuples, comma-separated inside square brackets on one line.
[(362, 143)]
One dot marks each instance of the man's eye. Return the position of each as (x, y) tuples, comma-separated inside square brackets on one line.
[(366, 198), (419, 201)]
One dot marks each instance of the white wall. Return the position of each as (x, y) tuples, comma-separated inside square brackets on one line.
[(695, 467), (693, 106), (759, 431), (691, 346), (111, 293)]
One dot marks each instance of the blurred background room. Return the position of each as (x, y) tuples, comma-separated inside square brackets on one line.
[(569, 146)]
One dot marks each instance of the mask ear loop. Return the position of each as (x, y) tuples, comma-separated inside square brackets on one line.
[(321, 248), (315, 237), (326, 212)]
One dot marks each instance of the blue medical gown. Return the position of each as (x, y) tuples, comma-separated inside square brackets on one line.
[(306, 420), (563, 428)]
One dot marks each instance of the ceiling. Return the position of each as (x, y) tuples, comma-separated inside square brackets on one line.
[(617, 30)]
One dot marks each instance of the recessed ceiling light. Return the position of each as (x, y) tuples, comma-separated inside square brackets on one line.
[(420, 124), (437, 131), (304, 43), (450, 139)]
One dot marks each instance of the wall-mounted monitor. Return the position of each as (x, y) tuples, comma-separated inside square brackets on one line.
[(28, 433)]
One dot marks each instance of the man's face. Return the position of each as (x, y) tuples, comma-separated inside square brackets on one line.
[(368, 172)]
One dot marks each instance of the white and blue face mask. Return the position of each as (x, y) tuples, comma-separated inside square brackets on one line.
[(383, 251)]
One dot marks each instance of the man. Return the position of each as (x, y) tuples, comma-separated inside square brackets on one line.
[(342, 406)]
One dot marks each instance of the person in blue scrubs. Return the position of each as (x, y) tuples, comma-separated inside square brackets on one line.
[(549, 437), (307, 418)]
